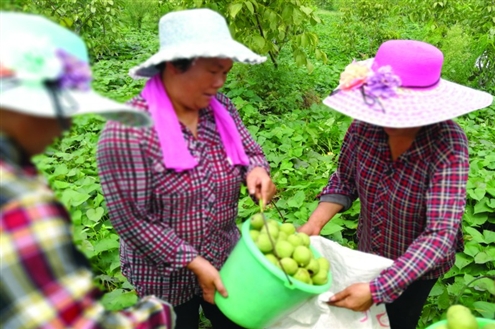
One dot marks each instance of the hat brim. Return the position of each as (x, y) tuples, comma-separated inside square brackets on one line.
[(37, 102), (412, 107), (221, 49)]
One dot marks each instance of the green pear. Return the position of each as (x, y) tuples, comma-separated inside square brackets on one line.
[(320, 278), (254, 234), (270, 229), (313, 267), (282, 236), (305, 238), (264, 244), (257, 222), (272, 259), (302, 255), (302, 275), (289, 265), (324, 263), (288, 228), (295, 240), (460, 317), (283, 249)]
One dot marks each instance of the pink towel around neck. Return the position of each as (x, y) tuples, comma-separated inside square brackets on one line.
[(174, 148)]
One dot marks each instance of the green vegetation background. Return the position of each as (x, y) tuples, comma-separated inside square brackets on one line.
[(280, 102)]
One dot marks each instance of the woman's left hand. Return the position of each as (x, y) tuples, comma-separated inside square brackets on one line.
[(260, 185), (356, 297)]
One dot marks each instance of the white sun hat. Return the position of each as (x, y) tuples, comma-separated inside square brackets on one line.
[(401, 87), (45, 72), (194, 33)]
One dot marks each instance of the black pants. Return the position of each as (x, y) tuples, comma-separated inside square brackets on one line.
[(188, 315), (405, 311)]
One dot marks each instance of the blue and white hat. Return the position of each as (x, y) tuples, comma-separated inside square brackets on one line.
[(38, 58), (194, 33)]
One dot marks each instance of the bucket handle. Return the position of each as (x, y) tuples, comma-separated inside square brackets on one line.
[(288, 284)]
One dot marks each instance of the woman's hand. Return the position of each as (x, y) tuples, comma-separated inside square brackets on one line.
[(260, 185), (356, 297), (208, 278), (310, 228)]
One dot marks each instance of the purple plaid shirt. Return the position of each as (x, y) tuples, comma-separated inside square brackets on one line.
[(411, 208), (165, 218)]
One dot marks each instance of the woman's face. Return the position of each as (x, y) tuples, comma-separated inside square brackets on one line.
[(194, 88)]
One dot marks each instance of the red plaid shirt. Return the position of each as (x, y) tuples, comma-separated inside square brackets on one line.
[(164, 218), (411, 208), (45, 281)]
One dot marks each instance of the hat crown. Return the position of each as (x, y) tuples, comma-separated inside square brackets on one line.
[(192, 26), (418, 64)]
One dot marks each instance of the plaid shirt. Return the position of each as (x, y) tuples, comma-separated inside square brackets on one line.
[(165, 218), (411, 208), (45, 281)]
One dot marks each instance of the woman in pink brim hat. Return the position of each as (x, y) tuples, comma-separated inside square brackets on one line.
[(407, 161)]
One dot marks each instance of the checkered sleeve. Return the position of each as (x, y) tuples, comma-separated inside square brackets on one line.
[(342, 180), (126, 179), (446, 199), (46, 281), (253, 150)]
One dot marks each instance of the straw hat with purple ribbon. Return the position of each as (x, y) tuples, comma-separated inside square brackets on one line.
[(401, 87)]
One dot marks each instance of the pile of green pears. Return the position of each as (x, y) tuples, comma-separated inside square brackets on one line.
[(460, 317), (288, 250)]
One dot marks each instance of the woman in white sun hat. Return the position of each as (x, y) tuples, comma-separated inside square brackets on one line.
[(407, 162), (172, 190), (45, 281)]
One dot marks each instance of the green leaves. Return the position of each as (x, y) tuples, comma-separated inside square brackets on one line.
[(269, 26)]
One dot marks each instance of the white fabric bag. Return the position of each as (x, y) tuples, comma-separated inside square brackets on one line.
[(347, 266)]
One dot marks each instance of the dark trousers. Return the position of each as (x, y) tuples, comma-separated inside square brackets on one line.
[(405, 311), (188, 315)]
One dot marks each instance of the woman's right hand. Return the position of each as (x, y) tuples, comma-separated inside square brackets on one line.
[(309, 228), (208, 278)]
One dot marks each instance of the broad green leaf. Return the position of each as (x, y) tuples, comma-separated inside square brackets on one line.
[(489, 236), (481, 206), (234, 9), (444, 300), (249, 6), (106, 244), (474, 219), (486, 309), (95, 214), (331, 228), (472, 248), (485, 284), (61, 170), (119, 299), (462, 260), (74, 198), (297, 200), (474, 235), (259, 41), (483, 257)]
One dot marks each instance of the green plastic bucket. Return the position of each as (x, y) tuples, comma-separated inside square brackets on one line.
[(481, 323), (259, 292)]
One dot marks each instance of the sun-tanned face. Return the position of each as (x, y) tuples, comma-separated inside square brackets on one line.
[(194, 88)]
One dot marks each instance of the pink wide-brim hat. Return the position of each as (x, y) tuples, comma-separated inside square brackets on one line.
[(422, 97)]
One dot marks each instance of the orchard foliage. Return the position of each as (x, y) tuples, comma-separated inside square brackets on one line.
[(269, 26), (281, 106)]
